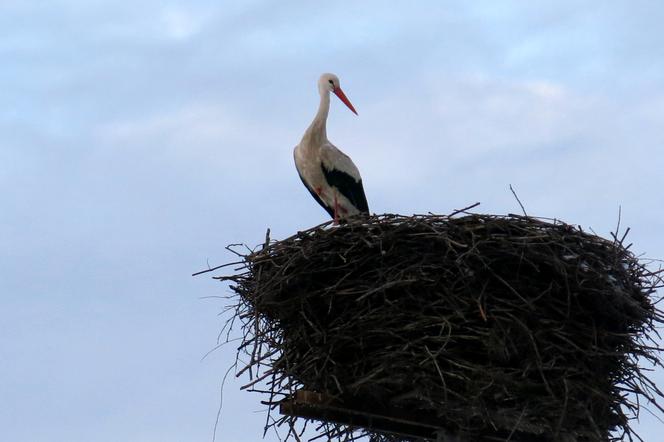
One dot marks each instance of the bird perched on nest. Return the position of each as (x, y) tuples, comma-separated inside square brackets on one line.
[(329, 174)]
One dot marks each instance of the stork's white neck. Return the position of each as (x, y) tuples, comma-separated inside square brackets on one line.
[(316, 133)]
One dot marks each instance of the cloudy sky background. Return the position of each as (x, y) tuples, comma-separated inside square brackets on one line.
[(138, 139)]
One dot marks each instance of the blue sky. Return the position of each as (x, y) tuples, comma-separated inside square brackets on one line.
[(137, 140)]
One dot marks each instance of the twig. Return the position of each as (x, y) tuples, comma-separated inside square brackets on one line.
[(518, 201)]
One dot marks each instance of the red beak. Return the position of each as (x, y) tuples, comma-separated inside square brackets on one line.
[(339, 93)]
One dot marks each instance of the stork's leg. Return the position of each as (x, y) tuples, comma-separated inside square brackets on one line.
[(336, 209)]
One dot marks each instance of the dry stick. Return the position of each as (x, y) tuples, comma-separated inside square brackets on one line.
[(615, 235), (518, 200), (217, 268), (221, 402), (516, 425), (464, 210)]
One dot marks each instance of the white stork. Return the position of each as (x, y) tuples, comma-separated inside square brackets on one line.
[(329, 174)]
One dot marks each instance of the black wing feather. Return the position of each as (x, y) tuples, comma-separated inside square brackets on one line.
[(348, 187), (316, 197)]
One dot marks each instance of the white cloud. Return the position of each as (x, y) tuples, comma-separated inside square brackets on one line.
[(204, 139), (182, 23)]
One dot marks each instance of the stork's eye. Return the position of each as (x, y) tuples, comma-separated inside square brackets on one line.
[(331, 82)]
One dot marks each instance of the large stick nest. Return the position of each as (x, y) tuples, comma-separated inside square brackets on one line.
[(495, 327)]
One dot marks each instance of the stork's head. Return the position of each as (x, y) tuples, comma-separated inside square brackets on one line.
[(330, 83)]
